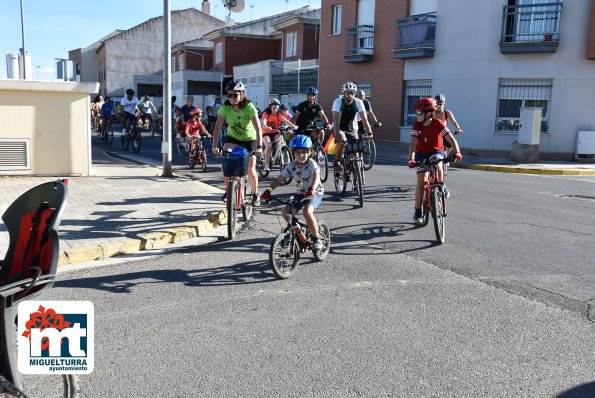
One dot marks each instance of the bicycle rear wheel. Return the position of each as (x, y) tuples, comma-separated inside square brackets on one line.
[(284, 254), (358, 179), (232, 214), (324, 232), (369, 153), (438, 214), (247, 199), (136, 140), (125, 138)]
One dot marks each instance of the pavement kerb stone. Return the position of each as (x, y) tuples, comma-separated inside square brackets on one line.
[(523, 170), (147, 241)]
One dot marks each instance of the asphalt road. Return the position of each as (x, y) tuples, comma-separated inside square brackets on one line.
[(502, 309)]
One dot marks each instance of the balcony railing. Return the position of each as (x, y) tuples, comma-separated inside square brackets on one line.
[(415, 36), (359, 43), (530, 28)]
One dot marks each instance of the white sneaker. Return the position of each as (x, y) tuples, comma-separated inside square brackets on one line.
[(446, 192)]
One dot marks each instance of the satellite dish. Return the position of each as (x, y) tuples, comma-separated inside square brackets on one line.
[(234, 5)]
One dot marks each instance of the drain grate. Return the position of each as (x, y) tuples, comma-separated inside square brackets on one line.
[(579, 197)]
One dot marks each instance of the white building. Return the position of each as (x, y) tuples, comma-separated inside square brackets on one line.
[(490, 58)]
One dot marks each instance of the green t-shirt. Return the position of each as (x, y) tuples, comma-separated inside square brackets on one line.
[(239, 124)]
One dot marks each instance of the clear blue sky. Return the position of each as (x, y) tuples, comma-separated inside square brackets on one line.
[(53, 27)]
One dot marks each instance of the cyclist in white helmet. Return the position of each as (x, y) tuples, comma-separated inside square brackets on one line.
[(347, 110)]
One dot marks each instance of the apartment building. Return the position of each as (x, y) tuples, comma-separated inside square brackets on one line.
[(489, 58)]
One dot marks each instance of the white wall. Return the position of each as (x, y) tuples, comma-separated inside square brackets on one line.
[(467, 66)]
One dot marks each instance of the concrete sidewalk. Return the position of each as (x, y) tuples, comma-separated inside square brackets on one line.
[(125, 208)]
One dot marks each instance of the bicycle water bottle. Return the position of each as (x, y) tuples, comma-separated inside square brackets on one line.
[(300, 234)]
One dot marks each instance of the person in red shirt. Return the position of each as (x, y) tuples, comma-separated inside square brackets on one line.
[(271, 120), (194, 126), (427, 140)]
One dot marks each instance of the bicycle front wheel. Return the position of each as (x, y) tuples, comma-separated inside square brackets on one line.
[(260, 167), (322, 160), (125, 138), (232, 214), (285, 159), (358, 178), (369, 153), (110, 135), (136, 139), (246, 199), (203, 160), (284, 255), (192, 158), (341, 180), (438, 214)]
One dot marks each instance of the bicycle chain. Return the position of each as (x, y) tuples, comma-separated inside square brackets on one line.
[(7, 387)]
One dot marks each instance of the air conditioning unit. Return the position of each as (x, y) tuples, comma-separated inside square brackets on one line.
[(585, 145)]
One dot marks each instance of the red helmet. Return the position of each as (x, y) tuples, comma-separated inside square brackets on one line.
[(426, 104), (196, 111)]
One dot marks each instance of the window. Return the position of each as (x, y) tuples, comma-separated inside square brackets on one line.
[(291, 44), (513, 94), (218, 53), (366, 86), (181, 61), (414, 91), (337, 11)]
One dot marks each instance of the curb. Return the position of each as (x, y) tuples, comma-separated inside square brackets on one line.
[(524, 170), (153, 240)]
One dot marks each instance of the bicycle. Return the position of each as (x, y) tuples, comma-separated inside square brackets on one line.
[(318, 153), (369, 152), (280, 155), (433, 199), (295, 239), (182, 144), (238, 192), (107, 131), (131, 134), (29, 275), (352, 168), (197, 153)]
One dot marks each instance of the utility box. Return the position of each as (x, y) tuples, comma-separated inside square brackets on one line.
[(526, 149), (585, 145)]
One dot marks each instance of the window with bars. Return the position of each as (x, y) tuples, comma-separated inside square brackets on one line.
[(513, 94), (366, 86), (414, 91), (291, 43)]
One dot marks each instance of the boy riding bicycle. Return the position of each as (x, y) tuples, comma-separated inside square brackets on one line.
[(427, 137), (307, 177)]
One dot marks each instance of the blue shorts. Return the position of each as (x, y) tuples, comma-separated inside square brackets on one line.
[(425, 156), (314, 201)]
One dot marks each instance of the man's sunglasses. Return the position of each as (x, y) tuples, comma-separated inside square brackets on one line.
[(234, 95), (349, 92)]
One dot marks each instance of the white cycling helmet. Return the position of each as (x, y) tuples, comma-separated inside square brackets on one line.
[(235, 85), (274, 101), (349, 86)]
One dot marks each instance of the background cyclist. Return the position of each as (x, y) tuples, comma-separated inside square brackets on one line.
[(194, 126), (446, 116), (148, 110), (308, 111), (130, 106), (360, 94), (309, 188), (346, 110), (427, 137), (243, 130), (271, 120)]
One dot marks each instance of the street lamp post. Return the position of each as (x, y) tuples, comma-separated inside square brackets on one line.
[(166, 144), (23, 37), (38, 67)]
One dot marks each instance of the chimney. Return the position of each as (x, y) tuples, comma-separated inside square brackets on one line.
[(206, 7)]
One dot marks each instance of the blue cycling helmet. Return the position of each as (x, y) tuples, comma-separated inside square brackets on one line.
[(312, 90), (300, 142)]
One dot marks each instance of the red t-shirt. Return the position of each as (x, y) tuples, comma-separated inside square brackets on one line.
[(429, 138), (272, 122), (194, 128)]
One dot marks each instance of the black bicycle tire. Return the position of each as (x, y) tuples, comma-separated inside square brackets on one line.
[(294, 255), (203, 157), (247, 202), (425, 207), (371, 155), (192, 160), (136, 133), (261, 169), (358, 181), (324, 166), (110, 135), (324, 232), (282, 165), (125, 138), (232, 214), (438, 214)]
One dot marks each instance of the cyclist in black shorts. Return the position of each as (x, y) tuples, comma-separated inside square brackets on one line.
[(346, 111), (308, 111)]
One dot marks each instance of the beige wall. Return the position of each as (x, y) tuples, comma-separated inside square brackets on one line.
[(55, 117)]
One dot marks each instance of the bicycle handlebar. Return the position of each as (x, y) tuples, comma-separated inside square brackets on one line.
[(449, 158)]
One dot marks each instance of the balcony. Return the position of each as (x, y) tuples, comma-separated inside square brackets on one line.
[(359, 44), (415, 36), (531, 28)]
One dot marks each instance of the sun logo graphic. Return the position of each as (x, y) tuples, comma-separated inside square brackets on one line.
[(56, 337)]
